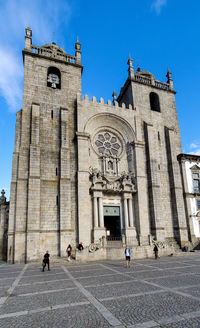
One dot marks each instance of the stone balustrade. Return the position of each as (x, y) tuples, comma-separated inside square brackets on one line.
[(155, 83), (142, 79), (50, 53)]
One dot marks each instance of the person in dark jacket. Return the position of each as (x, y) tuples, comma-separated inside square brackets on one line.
[(156, 251), (80, 247), (69, 251), (46, 260)]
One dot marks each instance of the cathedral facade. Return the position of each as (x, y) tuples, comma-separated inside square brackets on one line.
[(85, 170)]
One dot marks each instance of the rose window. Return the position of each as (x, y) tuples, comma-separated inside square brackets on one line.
[(107, 144)]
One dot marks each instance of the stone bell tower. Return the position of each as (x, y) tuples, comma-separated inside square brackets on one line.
[(43, 191)]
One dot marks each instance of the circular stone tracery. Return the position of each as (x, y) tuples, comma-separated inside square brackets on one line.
[(108, 144)]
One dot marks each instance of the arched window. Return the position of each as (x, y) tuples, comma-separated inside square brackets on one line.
[(54, 78), (154, 102)]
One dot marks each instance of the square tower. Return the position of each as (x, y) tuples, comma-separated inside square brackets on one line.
[(43, 190)]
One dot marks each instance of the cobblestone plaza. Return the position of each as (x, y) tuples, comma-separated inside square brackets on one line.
[(152, 293)]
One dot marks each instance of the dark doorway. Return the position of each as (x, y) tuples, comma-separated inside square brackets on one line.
[(112, 221), (112, 225)]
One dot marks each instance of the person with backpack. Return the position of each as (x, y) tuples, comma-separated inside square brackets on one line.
[(46, 260)]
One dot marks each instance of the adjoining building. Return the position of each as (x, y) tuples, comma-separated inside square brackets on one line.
[(85, 170), (4, 215), (190, 171)]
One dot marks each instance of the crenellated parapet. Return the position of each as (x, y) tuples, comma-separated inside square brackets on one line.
[(116, 105)]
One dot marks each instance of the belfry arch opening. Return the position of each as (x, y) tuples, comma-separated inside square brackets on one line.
[(154, 102), (54, 78)]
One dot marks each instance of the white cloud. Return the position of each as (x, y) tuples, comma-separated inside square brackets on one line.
[(157, 5), (46, 18), (194, 145), (11, 78), (194, 148), (195, 152)]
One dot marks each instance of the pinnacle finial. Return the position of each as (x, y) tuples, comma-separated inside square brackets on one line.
[(130, 60), (2, 197), (131, 68), (78, 51), (114, 96), (28, 38), (169, 79), (169, 74)]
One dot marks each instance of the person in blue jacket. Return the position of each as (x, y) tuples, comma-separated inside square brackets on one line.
[(128, 256)]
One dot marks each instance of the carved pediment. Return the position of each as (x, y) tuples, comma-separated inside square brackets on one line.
[(195, 168), (54, 48), (122, 183)]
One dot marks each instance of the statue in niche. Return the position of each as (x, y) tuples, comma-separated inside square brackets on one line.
[(110, 166)]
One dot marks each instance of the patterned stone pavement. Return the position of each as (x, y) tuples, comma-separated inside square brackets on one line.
[(152, 293)]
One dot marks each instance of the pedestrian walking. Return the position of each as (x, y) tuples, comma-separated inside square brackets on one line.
[(69, 251), (156, 251), (46, 260), (127, 256)]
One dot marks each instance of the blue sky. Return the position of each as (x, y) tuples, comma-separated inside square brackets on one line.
[(156, 33)]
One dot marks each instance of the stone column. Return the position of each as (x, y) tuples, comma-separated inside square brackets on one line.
[(95, 211), (99, 229), (126, 213), (130, 208), (130, 231), (101, 218)]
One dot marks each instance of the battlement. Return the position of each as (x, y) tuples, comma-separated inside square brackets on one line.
[(101, 101)]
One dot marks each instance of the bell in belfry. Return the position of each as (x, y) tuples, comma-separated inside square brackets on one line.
[(53, 79)]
